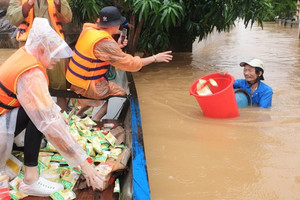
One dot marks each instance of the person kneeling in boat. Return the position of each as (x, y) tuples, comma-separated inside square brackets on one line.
[(25, 102), (94, 51), (261, 94)]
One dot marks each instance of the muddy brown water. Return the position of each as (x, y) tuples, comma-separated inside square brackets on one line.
[(254, 156)]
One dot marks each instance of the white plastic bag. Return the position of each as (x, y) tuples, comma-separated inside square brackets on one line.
[(7, 129)]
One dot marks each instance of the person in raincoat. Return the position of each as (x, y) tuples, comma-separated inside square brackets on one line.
[(25, 103), (58, 12), (94, 52)]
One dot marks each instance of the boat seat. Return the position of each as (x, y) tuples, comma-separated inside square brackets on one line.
[(70, 94)]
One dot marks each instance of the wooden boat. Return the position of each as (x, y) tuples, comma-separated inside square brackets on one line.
[(134, 183)]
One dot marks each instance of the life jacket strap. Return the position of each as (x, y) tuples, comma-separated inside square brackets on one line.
[(26, 23), (86, 58), (6, 106), (7, 91)]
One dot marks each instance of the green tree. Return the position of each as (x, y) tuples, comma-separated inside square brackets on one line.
[(282, 9), (157, 25), (151, 21), (202, 17), (85, 10)]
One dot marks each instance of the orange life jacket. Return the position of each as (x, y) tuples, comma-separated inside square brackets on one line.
[(25, 26), (84, 66), (10, 71)]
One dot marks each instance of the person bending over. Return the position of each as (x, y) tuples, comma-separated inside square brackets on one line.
[(26, 103)]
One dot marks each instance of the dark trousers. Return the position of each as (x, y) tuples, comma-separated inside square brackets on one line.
[(32, 140)]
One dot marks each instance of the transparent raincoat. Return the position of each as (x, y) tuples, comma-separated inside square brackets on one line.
[(33, 94)]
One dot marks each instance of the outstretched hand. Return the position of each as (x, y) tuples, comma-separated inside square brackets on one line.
[(223, 73), (91, 175), (163, 56)]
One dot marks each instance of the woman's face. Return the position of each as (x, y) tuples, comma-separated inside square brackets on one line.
[(53, 62), (249, 74), (49, 63), (46, 60)]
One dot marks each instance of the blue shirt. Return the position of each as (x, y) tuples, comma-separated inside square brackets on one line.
[(262, 96)]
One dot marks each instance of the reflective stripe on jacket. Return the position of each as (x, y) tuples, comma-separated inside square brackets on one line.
[(25, 26), (10, 71), (84, 66)]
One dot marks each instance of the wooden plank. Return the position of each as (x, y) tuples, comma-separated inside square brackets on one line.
[(70, 94)]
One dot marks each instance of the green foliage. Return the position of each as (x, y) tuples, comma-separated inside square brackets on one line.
[(160, 24), (171, 14), (164, 14), (184, 21), (157, 13), (85, 10), (151, 41), (203, 16), (145, 7), (282, 9)]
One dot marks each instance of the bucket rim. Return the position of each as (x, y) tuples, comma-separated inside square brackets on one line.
[(193, 92)]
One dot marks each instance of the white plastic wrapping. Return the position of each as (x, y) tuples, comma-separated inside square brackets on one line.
[(44, 43), (34, 97), (33, 94), (7, 129)]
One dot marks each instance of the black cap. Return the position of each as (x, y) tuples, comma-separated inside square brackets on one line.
[(110, 16)]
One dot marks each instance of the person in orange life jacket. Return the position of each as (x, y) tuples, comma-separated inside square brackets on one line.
[(95, 50), (261, 94), (22, 12), (26, 104)]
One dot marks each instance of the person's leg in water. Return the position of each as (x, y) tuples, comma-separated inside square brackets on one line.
[(32, 143)]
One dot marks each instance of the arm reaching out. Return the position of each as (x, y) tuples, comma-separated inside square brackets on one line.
[(34, 97)]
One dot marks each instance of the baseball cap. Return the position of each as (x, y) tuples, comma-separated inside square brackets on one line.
[(255, 63), (110, 16)]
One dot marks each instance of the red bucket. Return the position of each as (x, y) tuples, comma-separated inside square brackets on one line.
[(220, 104)]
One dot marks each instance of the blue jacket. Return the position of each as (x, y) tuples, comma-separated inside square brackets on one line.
[(262, 96)]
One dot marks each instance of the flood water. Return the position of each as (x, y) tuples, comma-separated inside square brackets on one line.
[(255, 156)]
